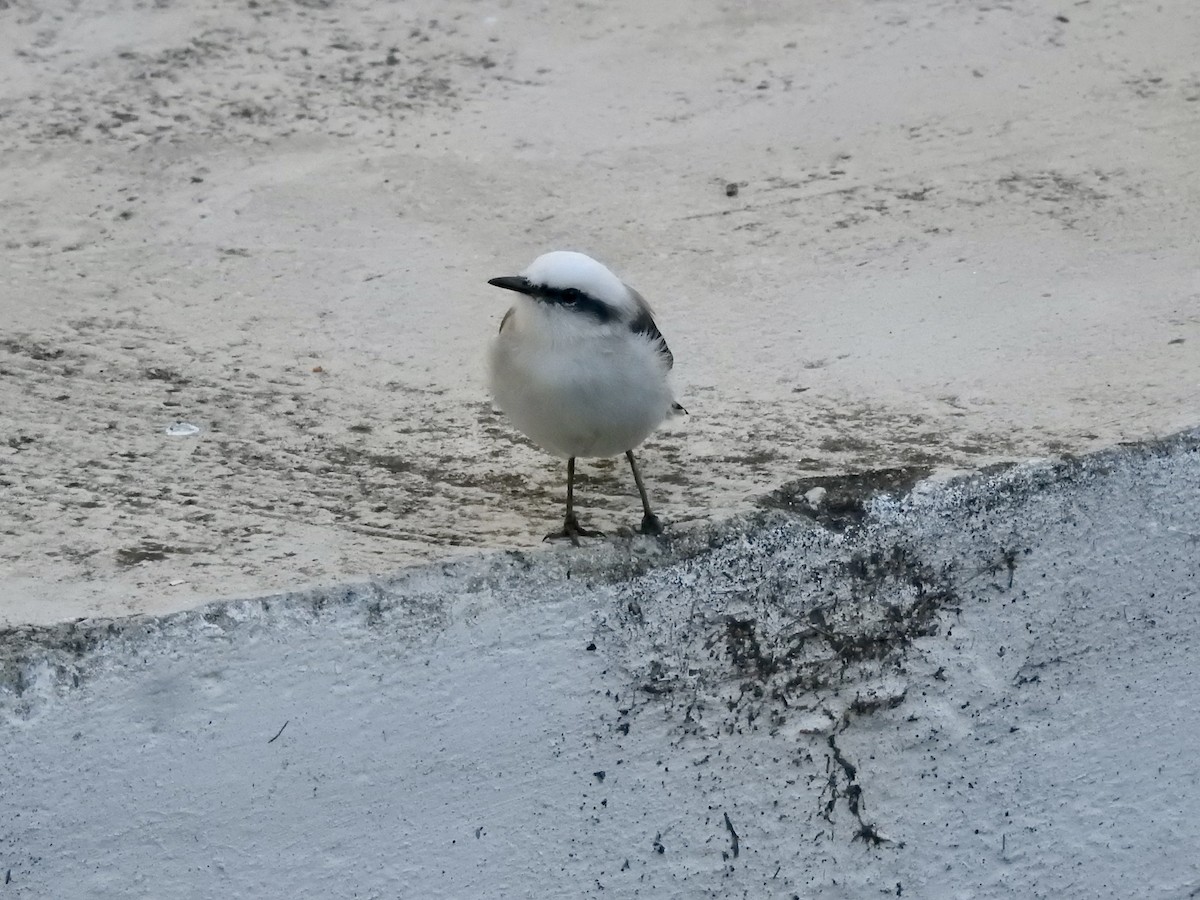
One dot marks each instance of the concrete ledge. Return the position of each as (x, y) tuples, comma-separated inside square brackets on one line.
[(981, 686)]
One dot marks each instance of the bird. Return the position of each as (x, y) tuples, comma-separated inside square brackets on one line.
[(580, 367)]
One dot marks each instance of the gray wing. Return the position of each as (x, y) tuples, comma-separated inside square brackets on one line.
[(643, 323), (504, 321)]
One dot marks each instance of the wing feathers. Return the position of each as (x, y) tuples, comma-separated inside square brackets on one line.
[(643, 323)]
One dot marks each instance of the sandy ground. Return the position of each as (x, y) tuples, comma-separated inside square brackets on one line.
[(984, 689), (881, 237), (962, 232)]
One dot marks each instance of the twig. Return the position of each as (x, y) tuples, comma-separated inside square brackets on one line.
[(732, 836), (279, 732)]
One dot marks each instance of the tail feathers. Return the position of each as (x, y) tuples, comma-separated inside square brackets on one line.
[(678, 410)]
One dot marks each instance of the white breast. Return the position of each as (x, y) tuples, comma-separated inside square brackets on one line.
[(574, 386)]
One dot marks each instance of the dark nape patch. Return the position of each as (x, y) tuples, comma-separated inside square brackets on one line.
[(846, 496)]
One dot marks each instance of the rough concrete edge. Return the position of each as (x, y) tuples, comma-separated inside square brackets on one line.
[(425, 593), (412, 601)]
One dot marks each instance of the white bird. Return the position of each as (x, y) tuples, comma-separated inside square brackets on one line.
[(580, 367)]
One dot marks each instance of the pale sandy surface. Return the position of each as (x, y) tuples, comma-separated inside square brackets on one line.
[(965, 231)]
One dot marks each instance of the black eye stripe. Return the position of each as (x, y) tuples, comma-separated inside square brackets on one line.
[(578, 301)]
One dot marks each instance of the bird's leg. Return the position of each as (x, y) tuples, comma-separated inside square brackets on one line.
[(650, 522), (571, 529)]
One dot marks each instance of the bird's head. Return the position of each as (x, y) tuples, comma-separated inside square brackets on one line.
[(575, 282)]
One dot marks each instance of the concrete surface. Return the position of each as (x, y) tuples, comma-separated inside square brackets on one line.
[(888, 241), (982, 688), (963, 232)]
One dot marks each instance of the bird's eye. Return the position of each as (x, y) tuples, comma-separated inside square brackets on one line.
[(570, 296)]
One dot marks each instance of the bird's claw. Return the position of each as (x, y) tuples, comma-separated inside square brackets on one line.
[(651, 525), (572, 531)]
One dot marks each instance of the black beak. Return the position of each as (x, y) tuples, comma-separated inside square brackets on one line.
[(516, 283)]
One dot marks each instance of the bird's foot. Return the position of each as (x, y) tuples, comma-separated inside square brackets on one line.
[(572, 531), (651, 525)]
